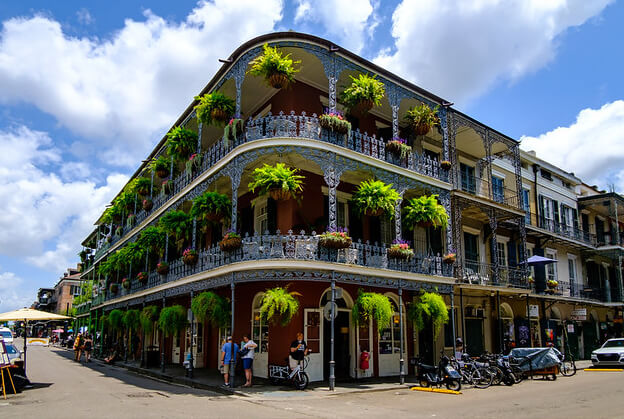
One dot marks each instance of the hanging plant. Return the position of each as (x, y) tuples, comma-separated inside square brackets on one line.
[(425, 211), (374, 198), (111, 214), (148, 204), (398, 147), (400, 250), (552, 283), (334, 122), (449, 258), (230, 242), (131, 319), (162, 268), (372, 305), (142, 277), (172, 320), (113, 288), (148, 316), (446, 165), (161, 166), (126, 283), (232, 130), (129, 256), (178, 224), (130, 220), (181, 143), (279, 181), (115, 319), (190, 257), (193, 164), (125, 200), (431, 306), (214, 108), (211, 207), (152, 239), (277, 69), (212, 308), (279, 306), (141, 186), (335, 239), (422, 118), (104, 322), (364, 92)]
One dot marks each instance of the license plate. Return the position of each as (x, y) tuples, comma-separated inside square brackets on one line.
[(450, 369)]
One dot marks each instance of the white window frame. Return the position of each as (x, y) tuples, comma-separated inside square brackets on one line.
[(342, 198), (551, 267), (259, 204)]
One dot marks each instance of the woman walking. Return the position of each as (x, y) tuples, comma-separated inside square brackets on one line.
[(247, 355)]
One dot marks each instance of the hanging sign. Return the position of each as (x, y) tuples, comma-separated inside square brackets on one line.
[(533, 310), (571, 328), (578, 314)]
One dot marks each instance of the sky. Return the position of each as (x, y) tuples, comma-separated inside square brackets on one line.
[(88, 88)]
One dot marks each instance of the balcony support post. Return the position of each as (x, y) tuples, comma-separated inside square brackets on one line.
[(199, 135), (487, 142), (618, 273), (443, 114), (152, 186), (494, 249), (143, 345), (401, 337), (397, 214), (522, 248), (445, 200), (192, 327), (162, 344), (332, 360), (232, 296), (453, 325), (332, 178)]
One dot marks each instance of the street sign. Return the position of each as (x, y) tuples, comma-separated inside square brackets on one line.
[(533, 310), (327, 311), (578, 314)]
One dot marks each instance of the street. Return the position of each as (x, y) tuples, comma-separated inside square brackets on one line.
[(63, 388)]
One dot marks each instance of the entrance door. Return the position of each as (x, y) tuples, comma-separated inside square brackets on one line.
[(342, 353), (176, 356), (426, 344), (260, 335), (313, 337), (474, 336), (590, 338), (471, 252)]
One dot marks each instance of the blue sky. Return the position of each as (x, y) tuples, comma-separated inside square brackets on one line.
[(87, 88)]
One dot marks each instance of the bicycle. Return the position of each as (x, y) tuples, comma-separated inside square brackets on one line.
[(279, 374), (472, 373), (568, 366)]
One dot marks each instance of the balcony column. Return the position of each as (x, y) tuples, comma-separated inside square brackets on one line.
[(395, 101), (515, 151), (445, 200), (487, 142), (152, 186), (618, 273), (455, 179), (332, 178), (443, 114), (143, 361), (192, 327), (604, 273), (199, 135), (401, 337), (522, 253), (162, 343), (397, 214), (494, 247), (235, 171)]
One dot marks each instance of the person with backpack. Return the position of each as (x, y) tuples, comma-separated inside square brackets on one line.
[(78, 347), (247, 351), (228, 359)]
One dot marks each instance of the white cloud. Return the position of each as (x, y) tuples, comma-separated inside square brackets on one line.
[(592, 147), (130, 88), (84, 17), (458, 49), (350, 23), (40, 210), (13, 295)]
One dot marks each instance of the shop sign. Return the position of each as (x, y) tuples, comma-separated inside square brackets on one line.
[(570, 328), (533, 310), (579, 314)]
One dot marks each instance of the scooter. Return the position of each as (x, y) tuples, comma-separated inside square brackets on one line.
[(443, 374)]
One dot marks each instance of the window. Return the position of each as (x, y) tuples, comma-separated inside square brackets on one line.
[(390, 337), (74, 290), (498, 189), (572, 274), (342, 206), (526, 204), (468, 183), (501, 254), (261, 218), (548, 213), (387, 230), (551, 269), (546, 174)]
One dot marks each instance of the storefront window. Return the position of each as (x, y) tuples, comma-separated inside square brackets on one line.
[(390, 337)]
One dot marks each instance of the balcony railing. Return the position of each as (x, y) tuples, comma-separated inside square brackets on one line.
[(567, 231), (484, 274), (279, 126), (486, 189), (611, 239), (300, 247)]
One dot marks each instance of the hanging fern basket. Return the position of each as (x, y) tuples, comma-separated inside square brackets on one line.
[(280, 194), (148, 204), (162, 173), (162, 268), (421, 129), (424, 224), (219, 115), (362, 107), (374, 213), (114, 288), (230, 244), (190, 259), (278, 80)]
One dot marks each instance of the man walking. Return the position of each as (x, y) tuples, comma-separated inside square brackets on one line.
[(228, 359)]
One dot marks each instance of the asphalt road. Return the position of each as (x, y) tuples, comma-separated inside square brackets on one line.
[(65, 389)]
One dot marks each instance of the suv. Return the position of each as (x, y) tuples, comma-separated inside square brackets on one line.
[(6, 334), (611, 353)]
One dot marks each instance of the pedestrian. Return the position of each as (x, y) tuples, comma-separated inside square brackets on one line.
[(247, 355), (228, 359), (88, 347), (77, 347), (298, 350)]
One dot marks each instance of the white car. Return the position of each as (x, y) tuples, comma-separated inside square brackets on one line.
[(611, 353), (6, 334)]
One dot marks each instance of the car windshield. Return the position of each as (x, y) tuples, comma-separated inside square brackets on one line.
[(614, 344), (11, 349), (6, 334)]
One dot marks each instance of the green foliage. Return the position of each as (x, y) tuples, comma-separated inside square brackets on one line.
[(181, 143), (112, 264), (130, 255), (374, 195), (273, 61), (211, 203), (372, 305), (131, 319), (104, 322), (425, 209), (364, 87), (172, 320), (86, 293), (212, 308), (115, 319), (423, 115), (161, 163), (276, 177), (335, 122), (178, 224), (213, 101), (148, 316), (111, 214), (141, 186), (152, 239), (279, 306), (431, 306)]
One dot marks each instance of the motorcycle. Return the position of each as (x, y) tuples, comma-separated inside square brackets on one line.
[(443, 374)]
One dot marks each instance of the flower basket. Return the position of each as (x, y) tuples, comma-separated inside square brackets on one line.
[(214, 217), (450, 258), (421, 129), (148, 204), (162, 173), (219, 115), (126, 283), (424, 224), (162, 268), (229, 244), (278, 80), (400, 251), (280, 194), (142, 277), (334, 122), (445, 164), (190, 257), (394, 147), (362, 107), (114, 288), (335, 239), (552, 283), (374, 213), (143, 191)]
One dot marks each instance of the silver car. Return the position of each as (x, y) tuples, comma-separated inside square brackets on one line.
[(610, 354)]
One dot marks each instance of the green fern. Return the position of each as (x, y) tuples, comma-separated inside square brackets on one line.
[(213, 101), (276, 177), (372, 305), (131, 319), (212, 308), (178, 224), (431, 306), (374, 195), (423, 115), (279, 306), (211, 202), (115, 319), (181, 143), (148, 316), (152, 239), (172, 320), (364, 87), (273, 61), (425, 209)]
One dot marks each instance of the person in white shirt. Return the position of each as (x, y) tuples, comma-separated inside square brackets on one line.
[(251, 346)]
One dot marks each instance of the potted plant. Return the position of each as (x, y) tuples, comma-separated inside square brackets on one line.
[(232, 130), (212, 308), (178, 224), (214, 108), (142, 277), (126, 283), (211, 207), (445, 164), (115, 319), (131, 319), (335, 239), (398, 146), (230, 242), (425, 211), (162, 268), (277, 69), (147, 204), (161, 166), (148, 316), (167, 187), (279, 305), (114, 288), (430, 307), (449, 258), (279, 181), (152, 239), (552, 283), (374, 198), (130, 220), (190, 257), (400, 250), (334, 121), (372, 305), (193, 164), (422, 118), (531, 280), (364, 92), (181, 143), (172, 320), (141, 186)]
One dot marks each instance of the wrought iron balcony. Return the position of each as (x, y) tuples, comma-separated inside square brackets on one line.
[(293, 247), (561, 229), (478, 273), (484, 188)]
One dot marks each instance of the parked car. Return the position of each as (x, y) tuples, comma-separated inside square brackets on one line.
[(15, 354), (611, 353), (6, 334)]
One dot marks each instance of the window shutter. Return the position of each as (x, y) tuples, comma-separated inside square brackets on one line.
[(541, 208), (511, 254), (271, 215), (556, 211)]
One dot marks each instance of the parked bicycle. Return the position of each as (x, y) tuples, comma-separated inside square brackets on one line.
[(282, 374), (472, 372)]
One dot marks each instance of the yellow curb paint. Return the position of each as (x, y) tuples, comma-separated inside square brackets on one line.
[(604, 369), (435, 390)]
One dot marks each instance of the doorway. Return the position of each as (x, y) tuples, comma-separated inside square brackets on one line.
[(474, 337), (342, 353)]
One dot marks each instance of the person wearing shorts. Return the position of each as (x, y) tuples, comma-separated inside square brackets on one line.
[(248, 358), (298, 351), (227, 360)]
